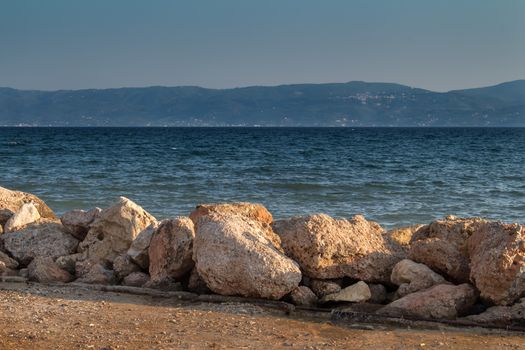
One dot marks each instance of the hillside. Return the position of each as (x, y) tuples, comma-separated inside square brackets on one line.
[(342, 104)]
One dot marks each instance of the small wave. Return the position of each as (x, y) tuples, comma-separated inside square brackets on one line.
[(298, 186)]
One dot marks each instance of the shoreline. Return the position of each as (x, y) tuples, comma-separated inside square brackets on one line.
[(44, 316)]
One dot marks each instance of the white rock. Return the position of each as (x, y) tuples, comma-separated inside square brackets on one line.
[(358, 292), (27, 214), (412, 277), (112, 233)]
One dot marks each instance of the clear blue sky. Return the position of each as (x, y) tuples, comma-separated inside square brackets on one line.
[(439, 45)]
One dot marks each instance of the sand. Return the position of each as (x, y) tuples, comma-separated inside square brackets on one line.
[(35, 316)]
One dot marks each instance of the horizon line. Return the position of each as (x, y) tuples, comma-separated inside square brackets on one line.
[(260, 86), (253, 127)]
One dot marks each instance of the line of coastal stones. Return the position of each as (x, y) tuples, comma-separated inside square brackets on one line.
[(453, 268)]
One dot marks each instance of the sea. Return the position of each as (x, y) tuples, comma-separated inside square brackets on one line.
[(395, 176)]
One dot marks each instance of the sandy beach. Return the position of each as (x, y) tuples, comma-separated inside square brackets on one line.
[(36, 316)]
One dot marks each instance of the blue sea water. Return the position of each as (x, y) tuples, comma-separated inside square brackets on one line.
[(395, 176)]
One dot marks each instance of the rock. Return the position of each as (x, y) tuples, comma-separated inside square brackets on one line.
[(6, 271), (44, 270), (412, 277), (8, 262), (305, 281), (253, 211), (94, 273), (502, 315), (303, 296), (171, 249), (77, 222), (26, 214), (5, 215), (42, 239), (443, 301), (489, 254), (13, 200), (443, 257), (378, 292), (234, 257), (403, 235), (3, 268), (68, 262), (196, 284), (322, 288), (23, 272), (358, 292), (138, 252), (328, 248), (497, 261), (136, 279), (442, 246), (112, 233), (123, 266)]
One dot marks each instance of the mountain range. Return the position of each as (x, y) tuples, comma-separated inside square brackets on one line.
[(354, 103)]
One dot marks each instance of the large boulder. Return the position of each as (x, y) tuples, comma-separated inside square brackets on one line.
[(252, 211), (513, 315), (412, 277), (13, 200), (45, 270), (256, 212), (138, 251), (171, 250), (114, 230), (497, 261), (77, 221), (358, 292), (443, 301), (328, 248), (25, 215), (41, 239), (234, 257), (489, 254), (442, 246)]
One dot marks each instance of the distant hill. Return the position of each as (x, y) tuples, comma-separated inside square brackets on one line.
[(345, 104)]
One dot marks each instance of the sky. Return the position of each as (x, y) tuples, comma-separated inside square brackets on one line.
[(437, 45)]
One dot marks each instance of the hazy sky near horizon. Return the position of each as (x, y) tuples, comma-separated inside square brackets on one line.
[(438, 45)]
